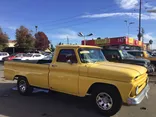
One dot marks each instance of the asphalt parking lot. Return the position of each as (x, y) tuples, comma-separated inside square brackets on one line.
[(42, 104)]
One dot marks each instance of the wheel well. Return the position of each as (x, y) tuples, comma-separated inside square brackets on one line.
[(97, 86), (18, 76)]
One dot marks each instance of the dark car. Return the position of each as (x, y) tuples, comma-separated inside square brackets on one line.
[(116, 55)]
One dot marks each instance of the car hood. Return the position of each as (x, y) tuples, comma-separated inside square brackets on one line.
[(115, 71), (141, 60)]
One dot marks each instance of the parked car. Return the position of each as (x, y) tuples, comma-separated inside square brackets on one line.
[(2, 55), (30, 56), (143, 54), (121, 56), (9, 58), (48, 57), (81, 70)]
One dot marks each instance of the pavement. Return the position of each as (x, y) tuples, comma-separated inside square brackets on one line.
[(42, 104)]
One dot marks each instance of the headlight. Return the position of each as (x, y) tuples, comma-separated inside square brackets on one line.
[(137, 90)]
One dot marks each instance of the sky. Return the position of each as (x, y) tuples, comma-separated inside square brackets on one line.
[(60, 19)]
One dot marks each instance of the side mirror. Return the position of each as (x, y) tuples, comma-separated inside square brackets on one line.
[(69, 61)]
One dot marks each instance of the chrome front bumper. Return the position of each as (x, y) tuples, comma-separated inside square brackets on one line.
[(138, 99)]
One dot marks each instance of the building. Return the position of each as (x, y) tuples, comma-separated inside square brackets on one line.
[(11, 43), (116, 42), (147, 46)]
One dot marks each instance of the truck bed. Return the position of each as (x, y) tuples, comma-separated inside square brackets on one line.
[(36, 72)]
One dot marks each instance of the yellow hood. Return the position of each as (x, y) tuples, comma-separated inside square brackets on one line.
[(115, 71)]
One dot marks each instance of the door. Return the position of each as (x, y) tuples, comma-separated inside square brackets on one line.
[(64, 73)]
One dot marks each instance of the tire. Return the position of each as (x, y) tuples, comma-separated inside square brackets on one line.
[(108, 96), (23, 87), (153, 66)]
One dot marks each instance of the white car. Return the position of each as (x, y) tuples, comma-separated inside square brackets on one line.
[(31, 56), (3, 54)]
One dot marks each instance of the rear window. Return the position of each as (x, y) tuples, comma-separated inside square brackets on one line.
[(3, 54), (64, 53), (37, 55), (109, 53)]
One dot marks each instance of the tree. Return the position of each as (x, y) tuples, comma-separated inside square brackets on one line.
[(150, 42), (42, 42), (3, 39), (99, 38), (24, 38)]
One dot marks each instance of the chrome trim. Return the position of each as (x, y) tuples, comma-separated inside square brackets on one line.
[(138, 99)]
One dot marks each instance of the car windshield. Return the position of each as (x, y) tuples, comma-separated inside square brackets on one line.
[(27, 55), (91, 55), (19, 55), (124, 54)]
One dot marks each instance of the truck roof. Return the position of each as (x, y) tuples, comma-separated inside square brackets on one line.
[(76, 46), (135, 50)]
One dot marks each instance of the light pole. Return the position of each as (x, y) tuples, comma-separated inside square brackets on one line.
[(67, 40), (36, 28), (140, 10), (128, 25), (80, 34)]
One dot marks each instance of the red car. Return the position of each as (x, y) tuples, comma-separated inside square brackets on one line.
[(11, 57)]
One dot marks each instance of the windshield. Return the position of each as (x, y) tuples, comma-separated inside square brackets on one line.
[(27, 55), (90, 55), (124, 54)]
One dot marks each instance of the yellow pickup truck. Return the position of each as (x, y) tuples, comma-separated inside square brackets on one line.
[(83, 70)]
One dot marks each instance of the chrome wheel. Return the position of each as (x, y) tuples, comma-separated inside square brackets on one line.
[(22, 86), (104, 101)]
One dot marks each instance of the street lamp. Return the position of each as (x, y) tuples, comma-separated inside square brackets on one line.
[(36, 28), (128, 25), (80, 34)]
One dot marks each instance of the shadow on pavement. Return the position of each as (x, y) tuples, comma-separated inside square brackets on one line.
[(43, 104)]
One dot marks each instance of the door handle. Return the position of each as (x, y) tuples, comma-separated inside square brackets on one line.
[(54, 65)]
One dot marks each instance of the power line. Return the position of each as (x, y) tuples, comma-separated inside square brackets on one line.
[(73, 25), (68, 19)]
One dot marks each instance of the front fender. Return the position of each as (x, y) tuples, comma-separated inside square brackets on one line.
[(86, 82)]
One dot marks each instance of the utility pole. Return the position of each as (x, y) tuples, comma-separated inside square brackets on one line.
[(143, 32), (139, 34), (67, 40)]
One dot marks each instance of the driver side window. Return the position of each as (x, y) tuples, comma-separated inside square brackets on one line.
[(67, 54)]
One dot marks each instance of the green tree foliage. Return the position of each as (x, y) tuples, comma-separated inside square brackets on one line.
[(24, 38), (42, 42), (3, 40)]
